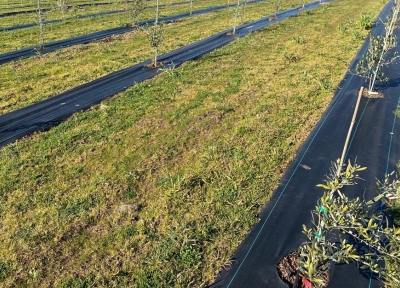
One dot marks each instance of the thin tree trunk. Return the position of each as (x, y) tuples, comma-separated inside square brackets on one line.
[(385, 44), (156, 27), (236, 15)]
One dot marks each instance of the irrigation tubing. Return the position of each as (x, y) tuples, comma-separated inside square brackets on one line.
[(99, 35), (50, 112), (22, 26), (375, 144)]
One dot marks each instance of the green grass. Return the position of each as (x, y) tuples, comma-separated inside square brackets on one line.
[(41, 77), (159, 185), (21, 38), (15, 6), (56, 14)]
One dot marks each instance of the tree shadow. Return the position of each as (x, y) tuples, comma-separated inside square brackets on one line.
[(391, 83)]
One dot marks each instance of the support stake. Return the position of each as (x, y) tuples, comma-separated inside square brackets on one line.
[(353, 120)]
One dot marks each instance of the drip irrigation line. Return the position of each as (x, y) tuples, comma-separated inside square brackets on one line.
[(391, 138), (324, 118), (99, 35), (50, 112)]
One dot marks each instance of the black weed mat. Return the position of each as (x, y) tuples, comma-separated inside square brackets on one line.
[(17, 27), (22, 26), (20, 12), (35, 10), (374, 143), (45, 114), (96, 36)]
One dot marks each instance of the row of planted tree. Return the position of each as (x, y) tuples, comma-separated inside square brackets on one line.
[(355, 222), (135, 9)]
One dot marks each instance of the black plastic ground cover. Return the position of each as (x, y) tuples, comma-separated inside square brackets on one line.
[(96, 36), (48, 9), (21, 12), (17, 27), (50, 112), (375, 143), (22, 26)]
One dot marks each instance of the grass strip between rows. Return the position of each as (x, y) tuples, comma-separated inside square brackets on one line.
[(28, 81), (158, 186)]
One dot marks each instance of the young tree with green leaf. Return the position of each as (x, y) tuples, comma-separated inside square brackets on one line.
[(379, 52), (336, 215), (156, 35)]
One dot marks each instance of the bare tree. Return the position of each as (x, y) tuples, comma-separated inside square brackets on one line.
[(63, 6), (156, 35), (40, 17), (136, 9)]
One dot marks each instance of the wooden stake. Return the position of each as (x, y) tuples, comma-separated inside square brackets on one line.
[(353, 120)]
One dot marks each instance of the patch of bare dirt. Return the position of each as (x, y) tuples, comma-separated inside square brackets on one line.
[(288, 268), (372, 94)]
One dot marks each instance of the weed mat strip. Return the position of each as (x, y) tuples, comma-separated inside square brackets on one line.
[(280, 230), (99, 35), (51, 112)]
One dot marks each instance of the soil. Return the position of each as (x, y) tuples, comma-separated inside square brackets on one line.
[(159, 64), (368, 95), (288, 268)]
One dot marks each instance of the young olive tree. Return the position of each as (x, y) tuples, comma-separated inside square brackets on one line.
[(63, 6), (191, 7), (40, 17), (277, 6), (355, 222), (235, 16), (136, 9), (239, 12), (379, 53), (156, 35)]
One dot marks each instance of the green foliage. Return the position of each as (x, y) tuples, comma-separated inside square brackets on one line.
[(377, 55), (365, 22), (156, 38), (219, 175), (355, 222), (299, 39), (5, 270)]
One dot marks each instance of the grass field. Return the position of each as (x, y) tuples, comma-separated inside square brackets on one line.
[(34, 79), (21, 38), (121, 18), (158, 186), (24, 5)]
